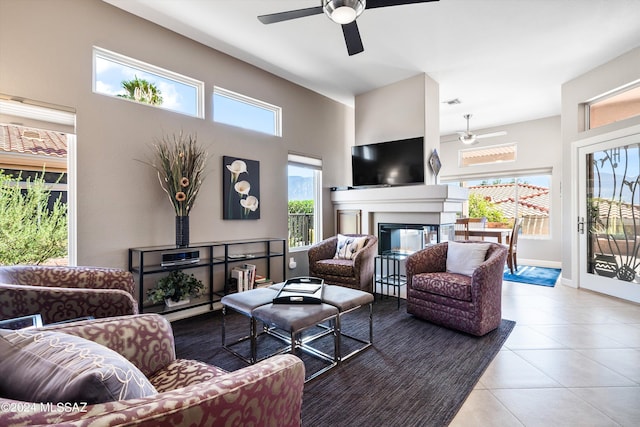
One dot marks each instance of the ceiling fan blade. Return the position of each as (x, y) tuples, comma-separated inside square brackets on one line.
[(372, 4), (291, 14), (352, 38), (491, 135)]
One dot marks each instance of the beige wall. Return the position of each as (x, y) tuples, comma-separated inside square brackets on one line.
[(396, 111), (539, 149), (612, 75), (46, 55), (405, 109)]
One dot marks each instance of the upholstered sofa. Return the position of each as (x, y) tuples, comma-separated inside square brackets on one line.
[(353, 271), (132, 377), (470, 302), (63, 293)]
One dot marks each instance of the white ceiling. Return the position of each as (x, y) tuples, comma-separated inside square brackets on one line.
[(504, 59)]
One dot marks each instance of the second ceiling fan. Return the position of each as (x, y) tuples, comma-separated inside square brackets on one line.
[(343, 12), (469, 138)]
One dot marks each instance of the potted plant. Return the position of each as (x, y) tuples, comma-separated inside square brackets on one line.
[(175, 289)]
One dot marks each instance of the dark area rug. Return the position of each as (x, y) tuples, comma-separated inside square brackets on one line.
[(415, 374)]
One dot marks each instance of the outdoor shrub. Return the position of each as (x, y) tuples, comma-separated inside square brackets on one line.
[(30, 231)]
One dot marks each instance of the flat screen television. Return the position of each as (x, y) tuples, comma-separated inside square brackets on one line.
[(389, 163)]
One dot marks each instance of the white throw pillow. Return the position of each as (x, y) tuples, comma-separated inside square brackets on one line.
[(464, 258), (348, 246)]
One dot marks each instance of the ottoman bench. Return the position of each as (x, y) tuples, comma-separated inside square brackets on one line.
[(288, 322), (293, 319), (347, 300), (244, 303)]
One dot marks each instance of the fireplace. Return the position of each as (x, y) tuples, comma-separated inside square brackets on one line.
[(405, 239)]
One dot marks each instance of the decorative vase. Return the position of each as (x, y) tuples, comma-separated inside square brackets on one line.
[(171, 303), (606, 265), (182, 231)]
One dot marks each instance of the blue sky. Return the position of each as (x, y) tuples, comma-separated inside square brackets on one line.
[(236, 113)]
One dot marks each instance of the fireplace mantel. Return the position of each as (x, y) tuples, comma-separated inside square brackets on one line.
[(418, 204)]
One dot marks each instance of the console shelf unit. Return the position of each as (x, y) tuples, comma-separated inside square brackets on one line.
[(223, 255)]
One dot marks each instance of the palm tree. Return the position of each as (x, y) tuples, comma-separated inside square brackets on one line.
[(141, 90)]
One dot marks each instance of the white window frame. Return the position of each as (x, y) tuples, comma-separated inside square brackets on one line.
[(59, 119), (277, 111), (315, 164), (126, 61)]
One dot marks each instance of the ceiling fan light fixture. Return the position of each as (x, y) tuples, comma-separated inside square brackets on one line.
[(343, 11), (467, 139)]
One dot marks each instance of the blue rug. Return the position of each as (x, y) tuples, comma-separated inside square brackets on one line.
[(542, 276)]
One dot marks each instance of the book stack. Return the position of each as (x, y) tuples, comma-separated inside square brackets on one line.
[(262, 281), (245, 276)]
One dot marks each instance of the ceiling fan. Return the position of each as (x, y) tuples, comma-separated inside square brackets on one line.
[(469, 138), (343, 12)]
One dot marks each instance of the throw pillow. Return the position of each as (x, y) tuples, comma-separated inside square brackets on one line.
[(348, 246), (46, 366), (464, 258)]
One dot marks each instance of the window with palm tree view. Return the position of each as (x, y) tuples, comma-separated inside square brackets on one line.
[(127, 78)]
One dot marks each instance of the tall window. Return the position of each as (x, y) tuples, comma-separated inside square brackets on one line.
[(305, 201), (504, 199), (242, 111), (127, 78), (41, 152)]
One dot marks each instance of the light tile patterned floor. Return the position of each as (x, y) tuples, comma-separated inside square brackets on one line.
[(573, 359)]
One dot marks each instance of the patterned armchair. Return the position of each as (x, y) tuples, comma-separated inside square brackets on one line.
[(63, 293), (471, 304), (187, 392), (356, 273)]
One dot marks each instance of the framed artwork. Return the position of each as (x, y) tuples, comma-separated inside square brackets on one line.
[(240, 188), (434, 162)]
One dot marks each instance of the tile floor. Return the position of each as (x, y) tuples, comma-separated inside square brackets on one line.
[(573, 359)]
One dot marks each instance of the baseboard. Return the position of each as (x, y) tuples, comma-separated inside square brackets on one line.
[(540, 263), (568, 282)]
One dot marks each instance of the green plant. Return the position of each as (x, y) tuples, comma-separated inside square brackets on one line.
[(175, 286), (480, 207), (180, 164), (31, 231), (301, 206), (141, 90)]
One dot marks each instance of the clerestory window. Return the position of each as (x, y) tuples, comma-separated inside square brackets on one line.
[(239, 110), (618, 105), (133, 80)]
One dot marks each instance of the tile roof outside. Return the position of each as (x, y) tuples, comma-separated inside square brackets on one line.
[(532, 199), (611, 210), (27, 140)]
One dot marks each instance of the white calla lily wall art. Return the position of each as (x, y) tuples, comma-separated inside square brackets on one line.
[(241, 188)]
